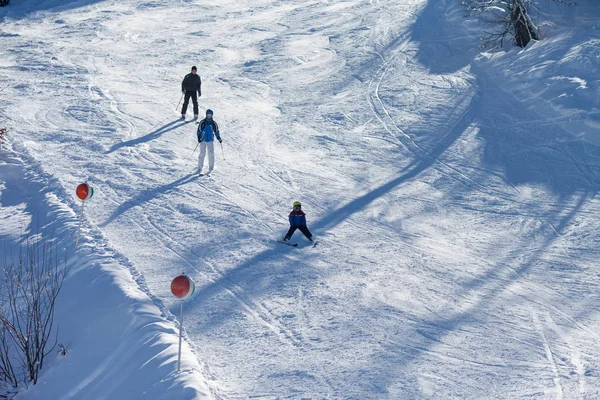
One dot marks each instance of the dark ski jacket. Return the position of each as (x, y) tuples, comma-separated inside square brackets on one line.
[(297, 218), (192, 83), (207, 130)]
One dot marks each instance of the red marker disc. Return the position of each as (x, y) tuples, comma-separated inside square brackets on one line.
[(183, 287), (84, 191)]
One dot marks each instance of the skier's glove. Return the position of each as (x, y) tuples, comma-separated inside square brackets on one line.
[(220, 140), (199, 139)]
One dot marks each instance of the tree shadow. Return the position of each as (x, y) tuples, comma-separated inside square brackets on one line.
[(244, 282), (148, 137), (489, 286), (527, 151), (517, 142), (531, 151), (19, 9), (424, 159), (238, 274), (147, 195), (444, 47)]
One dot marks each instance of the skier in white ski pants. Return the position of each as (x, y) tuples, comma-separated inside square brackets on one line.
[(210, 146), (207, 130)]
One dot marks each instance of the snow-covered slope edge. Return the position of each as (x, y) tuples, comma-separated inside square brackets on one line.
[(556, 78), (121, 344)]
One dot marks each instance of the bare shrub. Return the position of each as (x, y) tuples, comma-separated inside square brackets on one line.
[(3, 134), (29, 288), (62, 349), (510, 19)]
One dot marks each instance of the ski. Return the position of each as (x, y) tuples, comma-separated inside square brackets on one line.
[(288, 243)]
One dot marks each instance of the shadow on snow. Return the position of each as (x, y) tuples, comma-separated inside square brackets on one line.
[(149, 136), (523, 153), (19, 9), (148, 195)]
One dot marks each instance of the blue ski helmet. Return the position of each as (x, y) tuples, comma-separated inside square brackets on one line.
[(209, 111)]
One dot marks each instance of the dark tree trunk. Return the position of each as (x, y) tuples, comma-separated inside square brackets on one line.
[(524, 29)]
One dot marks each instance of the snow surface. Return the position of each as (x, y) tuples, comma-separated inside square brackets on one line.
[(452, 192)]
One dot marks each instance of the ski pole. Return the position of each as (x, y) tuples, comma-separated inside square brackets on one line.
[(188, 163), (180, 335), (222, 151), (181, 98)]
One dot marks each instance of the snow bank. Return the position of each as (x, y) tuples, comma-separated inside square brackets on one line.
[(557, 77), (122, 344)]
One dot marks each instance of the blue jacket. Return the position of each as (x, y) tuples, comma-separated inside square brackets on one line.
[(207, 130), (297, 218)]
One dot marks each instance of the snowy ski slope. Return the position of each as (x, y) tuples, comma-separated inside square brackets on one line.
[(453, 194)]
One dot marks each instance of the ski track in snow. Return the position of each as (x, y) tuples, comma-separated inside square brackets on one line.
[(454, 261), (549, 356)]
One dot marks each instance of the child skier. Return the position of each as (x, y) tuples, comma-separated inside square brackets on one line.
[(207, 130), (297, 221)]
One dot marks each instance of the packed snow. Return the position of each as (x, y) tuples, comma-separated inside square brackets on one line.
[(451, 189)]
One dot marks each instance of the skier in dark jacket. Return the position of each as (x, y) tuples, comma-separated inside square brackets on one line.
[(189, 86), (297, 221)]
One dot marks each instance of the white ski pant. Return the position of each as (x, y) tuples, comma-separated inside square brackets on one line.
[(211, 155)]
